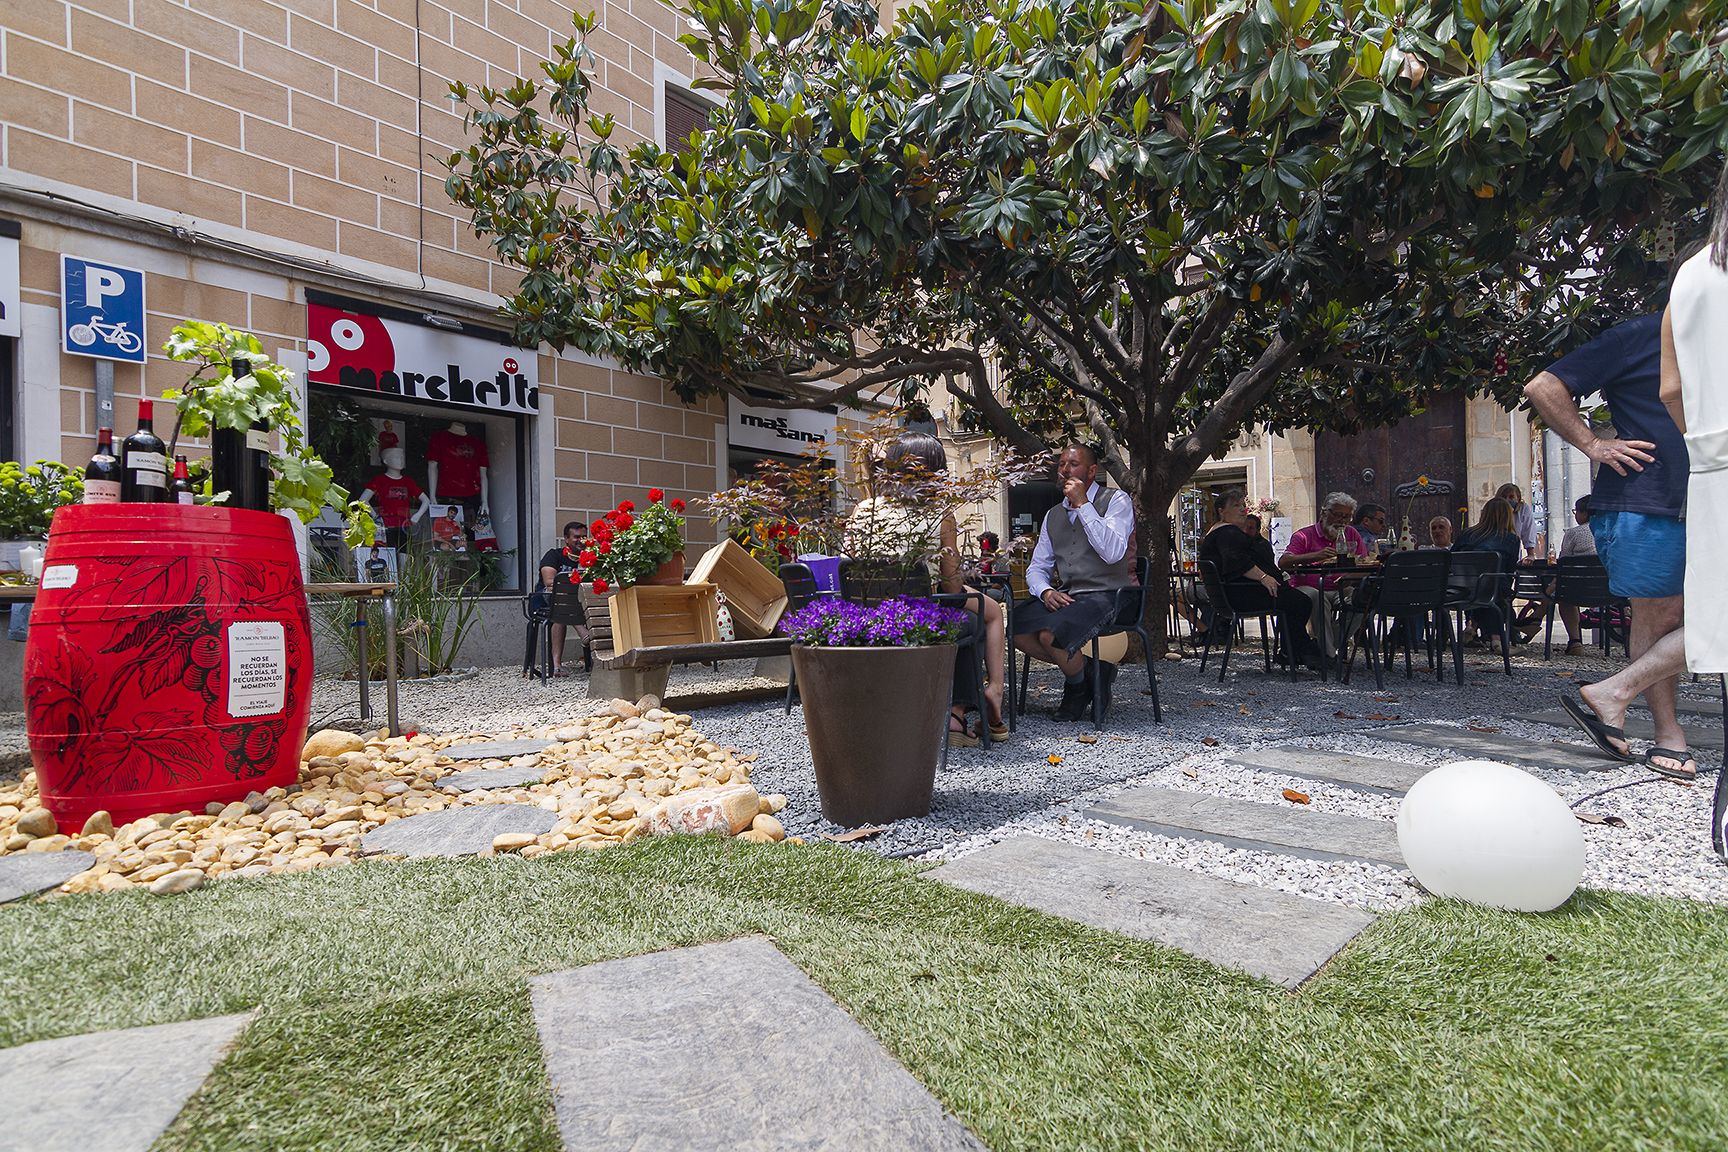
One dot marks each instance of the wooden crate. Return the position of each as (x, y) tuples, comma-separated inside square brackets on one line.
[(649, 615), (755, 595)]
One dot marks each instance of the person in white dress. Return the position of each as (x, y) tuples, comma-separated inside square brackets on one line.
[(1695, 389)]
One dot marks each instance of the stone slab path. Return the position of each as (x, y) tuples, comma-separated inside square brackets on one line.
[(1291, 829), (114, 1091), (1274, 935), (1363, 773), (497, 749), (492, 778), (1701, 731), (723, 1046), (1467, 745), (456, 831), (27, 873)]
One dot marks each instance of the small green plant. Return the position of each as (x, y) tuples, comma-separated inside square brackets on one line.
[(437, 606), (29, 494), (213, 397)]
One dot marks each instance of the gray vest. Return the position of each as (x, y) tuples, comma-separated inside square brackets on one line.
[(1079, 568)]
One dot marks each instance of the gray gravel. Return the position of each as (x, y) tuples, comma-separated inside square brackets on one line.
[(983, 797)]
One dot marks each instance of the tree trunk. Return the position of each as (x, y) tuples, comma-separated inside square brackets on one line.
[(1151, 515)]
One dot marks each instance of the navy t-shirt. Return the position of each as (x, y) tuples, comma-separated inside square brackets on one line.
[(1625, 365)]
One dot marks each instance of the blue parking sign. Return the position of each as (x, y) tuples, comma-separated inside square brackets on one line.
[(101, 310)]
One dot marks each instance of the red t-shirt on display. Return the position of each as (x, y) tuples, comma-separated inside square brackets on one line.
[(459, 460), (396, 498)]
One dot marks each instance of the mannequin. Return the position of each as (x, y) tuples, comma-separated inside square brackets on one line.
[(456, 468), (398, 499)]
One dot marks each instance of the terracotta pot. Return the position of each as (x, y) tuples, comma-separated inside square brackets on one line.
[(876, 719), (671, 572)]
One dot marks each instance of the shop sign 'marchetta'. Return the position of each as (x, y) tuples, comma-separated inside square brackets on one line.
[(390, 357)]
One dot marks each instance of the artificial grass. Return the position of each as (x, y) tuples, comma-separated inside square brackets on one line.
[(394, 1009)]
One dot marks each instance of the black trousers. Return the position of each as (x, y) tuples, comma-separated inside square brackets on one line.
[(1292, 608)]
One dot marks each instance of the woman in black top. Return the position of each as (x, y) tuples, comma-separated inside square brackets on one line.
[(1241, 566), (1496, 531)]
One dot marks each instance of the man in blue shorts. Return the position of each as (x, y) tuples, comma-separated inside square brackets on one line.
[(1636, 505)]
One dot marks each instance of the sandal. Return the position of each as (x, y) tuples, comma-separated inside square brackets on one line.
[(998, 733), (1600, 733), (1681, 757), (960, 736)]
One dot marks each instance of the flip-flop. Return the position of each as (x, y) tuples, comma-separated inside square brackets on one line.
[(1680, 773), (1600, 733)]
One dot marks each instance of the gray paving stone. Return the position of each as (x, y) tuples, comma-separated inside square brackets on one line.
[(723, 1046), (1468, 745), (1701, 731), (116, 1091), (27, 873), (1275, 935), (1363, 773), (496, 749), (1284, 827), (456, 831), (492, 778)]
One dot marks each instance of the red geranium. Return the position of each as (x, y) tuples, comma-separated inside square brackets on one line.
[(586, 559), (600, 585), (625, 521), (626, 506), (605, 547), (655, 495), (677, 505)]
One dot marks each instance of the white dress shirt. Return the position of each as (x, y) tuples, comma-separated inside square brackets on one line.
[(1108, 534)]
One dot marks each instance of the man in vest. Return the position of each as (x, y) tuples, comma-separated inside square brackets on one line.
[(1083, 554)]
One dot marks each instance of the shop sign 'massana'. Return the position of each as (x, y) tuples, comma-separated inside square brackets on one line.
[(396, 358)]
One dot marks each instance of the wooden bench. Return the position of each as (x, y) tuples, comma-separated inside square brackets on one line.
[(639, 672)]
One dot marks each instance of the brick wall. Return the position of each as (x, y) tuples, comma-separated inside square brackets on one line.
[(298, 125)]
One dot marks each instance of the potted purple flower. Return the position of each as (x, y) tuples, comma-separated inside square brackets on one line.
[(875, 682)]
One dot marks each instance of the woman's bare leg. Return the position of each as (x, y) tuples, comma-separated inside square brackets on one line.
[(995, 657)]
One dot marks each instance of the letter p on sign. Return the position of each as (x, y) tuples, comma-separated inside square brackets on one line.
[(101, 283)]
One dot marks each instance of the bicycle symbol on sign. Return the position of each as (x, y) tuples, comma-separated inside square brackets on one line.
[(116, 334)]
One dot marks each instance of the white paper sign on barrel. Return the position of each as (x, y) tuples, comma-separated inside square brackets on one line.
[(1491, 834)]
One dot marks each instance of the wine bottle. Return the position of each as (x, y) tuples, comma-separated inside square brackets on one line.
[(182, 486), (102, 474), (240, 461), (144, 461)]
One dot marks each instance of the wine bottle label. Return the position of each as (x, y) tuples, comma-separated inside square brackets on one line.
[(258, 439), (184, 498), (101, 491), (152, 468)]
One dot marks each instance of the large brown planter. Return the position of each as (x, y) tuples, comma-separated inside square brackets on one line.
[(668, 574), (876, 718)]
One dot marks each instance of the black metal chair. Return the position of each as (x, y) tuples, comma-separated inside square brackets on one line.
[(999, 586), (1582, 581), (800, 585), (563, 606), (1411, 591), (871, 581), (1475, 583), (1129, 617), (1231, 604)]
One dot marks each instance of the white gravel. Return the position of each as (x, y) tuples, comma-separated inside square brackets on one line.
[(1014, 788)]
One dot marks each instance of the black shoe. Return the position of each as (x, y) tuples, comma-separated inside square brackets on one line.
[(1076, 699), (1105, 684), (1314, 659)]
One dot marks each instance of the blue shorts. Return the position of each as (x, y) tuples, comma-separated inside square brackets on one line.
[(1645, 555)]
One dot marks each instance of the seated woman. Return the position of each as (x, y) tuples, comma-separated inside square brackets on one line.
[(896, 523), (1495, 531), (1243, 561)]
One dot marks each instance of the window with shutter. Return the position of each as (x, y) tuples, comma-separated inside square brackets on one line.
[(685, 113)]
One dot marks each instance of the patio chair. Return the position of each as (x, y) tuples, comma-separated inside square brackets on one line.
[(1231, 605), (1582, 581), (801, 588), (1475, 584), (1410, 591), (563, 606), (1129, 617), (871, 581)]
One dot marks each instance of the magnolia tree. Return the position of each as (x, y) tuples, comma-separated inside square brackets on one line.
[(1150, 225)]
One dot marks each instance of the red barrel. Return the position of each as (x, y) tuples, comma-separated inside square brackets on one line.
[(169, 662)]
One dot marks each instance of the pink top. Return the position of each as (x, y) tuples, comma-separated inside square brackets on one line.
[(1312, 539)]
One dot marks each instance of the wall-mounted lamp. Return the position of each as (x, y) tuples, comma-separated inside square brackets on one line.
[(443, 322)]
